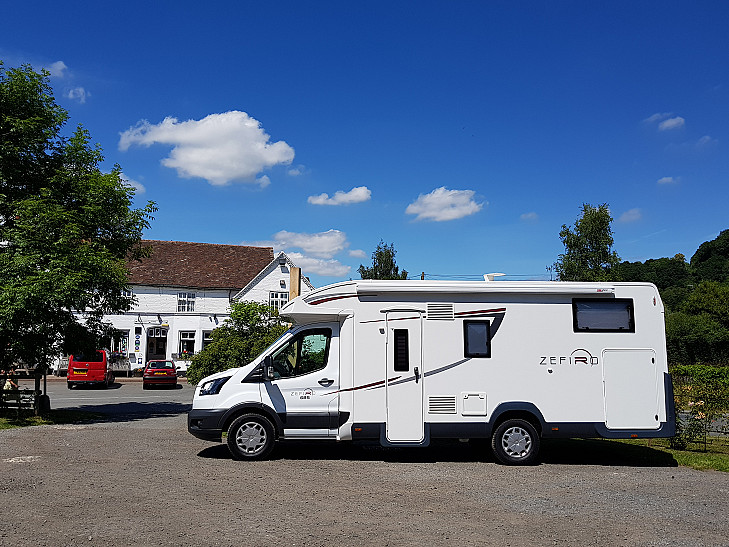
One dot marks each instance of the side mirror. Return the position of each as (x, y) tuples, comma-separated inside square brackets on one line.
[(268, 372)]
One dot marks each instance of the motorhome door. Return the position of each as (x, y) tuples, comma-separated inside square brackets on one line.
[(404, 375)]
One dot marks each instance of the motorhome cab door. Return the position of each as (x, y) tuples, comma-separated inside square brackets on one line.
[(306, 382), (404, 375)]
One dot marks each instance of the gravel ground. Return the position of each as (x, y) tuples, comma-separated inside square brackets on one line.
[(146, 481)]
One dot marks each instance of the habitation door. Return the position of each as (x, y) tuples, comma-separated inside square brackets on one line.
[(404, 376), (631, 389)]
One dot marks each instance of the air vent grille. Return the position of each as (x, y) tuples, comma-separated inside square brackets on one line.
[(442, 405), (440, 312)]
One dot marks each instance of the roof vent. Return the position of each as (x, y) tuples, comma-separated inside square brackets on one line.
[(440, 312)]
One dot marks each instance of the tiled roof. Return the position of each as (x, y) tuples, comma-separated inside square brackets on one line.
[(198, 265)]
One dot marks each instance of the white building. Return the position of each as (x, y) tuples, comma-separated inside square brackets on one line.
[(184, 291)]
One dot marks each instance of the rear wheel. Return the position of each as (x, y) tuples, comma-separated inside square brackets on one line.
[(251, 437), (516, 442), (69, 385)]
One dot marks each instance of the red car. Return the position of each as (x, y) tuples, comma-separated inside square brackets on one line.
[(92, 369), (159, 372)]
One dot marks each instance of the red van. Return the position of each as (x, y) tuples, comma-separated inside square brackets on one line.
[(89, 370)]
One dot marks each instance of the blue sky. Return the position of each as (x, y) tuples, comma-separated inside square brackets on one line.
[(466, 133)]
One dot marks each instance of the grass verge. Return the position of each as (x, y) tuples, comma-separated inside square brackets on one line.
[(10, 419)]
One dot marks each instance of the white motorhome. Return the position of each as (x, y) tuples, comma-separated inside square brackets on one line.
[(404, 362)]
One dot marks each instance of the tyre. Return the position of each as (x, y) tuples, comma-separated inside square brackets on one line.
[(69, 385), (145, 386), (251, 437), (515, 442)]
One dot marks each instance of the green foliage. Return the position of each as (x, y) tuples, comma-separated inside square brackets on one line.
[(588, 252), (383, 264), (696, 339), (711, 260), (662, 272), (251, 328), (702, 398), (65, 226)]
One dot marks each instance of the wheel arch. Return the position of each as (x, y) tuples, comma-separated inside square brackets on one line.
[(252, 408), (521, 410)]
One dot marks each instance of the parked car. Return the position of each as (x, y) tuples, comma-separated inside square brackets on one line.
[(160, 373), (93, 369)]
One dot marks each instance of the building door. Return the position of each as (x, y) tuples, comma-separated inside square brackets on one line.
[(156, 343), (631, 389), (404, 375)]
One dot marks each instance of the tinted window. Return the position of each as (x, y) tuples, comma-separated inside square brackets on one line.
[(96, 357), (602, 315), (477, 339)]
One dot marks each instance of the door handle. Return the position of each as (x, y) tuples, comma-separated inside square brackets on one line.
[(326, 382), (417, 375)]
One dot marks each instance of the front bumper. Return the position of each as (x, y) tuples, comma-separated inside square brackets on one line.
[(205, 424)]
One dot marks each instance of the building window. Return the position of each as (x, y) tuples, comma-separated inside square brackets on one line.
[(185, 301), (276, 299), (207, 338), (187, 343), (120, 342)]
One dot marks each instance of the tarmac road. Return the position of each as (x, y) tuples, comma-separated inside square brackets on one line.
[(138, 478)]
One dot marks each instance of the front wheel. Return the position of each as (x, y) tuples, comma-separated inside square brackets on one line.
[(250, 437), (515, 442)]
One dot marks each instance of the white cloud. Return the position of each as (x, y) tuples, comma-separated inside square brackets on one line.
[(321, 245), (263, 181), (633, 215), (529, 217), (355, 195), (357, 253), (671, 123), (78, 94), (668, 180), (657, 117), (220, 148), (297, 171), (318, 266), (138, 186), (443, 204), (57, 69), (705, 141)]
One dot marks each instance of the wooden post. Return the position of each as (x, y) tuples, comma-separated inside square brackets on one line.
[(294, 283)]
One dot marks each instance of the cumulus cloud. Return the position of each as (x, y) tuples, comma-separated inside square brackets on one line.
[(529, 217), (668, 180), (57, 69), (78, 94), (220, 148), (357, 253), (355, 195), (297, 171), (138, 186), (443, 204), (318, 266), (633, 215), (321, 244), (671, 123)]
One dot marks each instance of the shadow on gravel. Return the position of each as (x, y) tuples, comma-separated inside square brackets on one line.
[(132, 411), (600, 452), (561, 452)]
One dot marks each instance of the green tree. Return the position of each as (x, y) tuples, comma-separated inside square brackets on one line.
[(251, 328), (66, 228), (588, 252), (383, 264), (711, 260)]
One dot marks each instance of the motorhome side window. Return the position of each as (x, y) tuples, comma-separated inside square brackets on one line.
[(306, 352), (602, 315), (476, 339)]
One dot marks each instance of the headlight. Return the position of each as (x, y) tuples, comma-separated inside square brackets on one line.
[(213, 387)]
